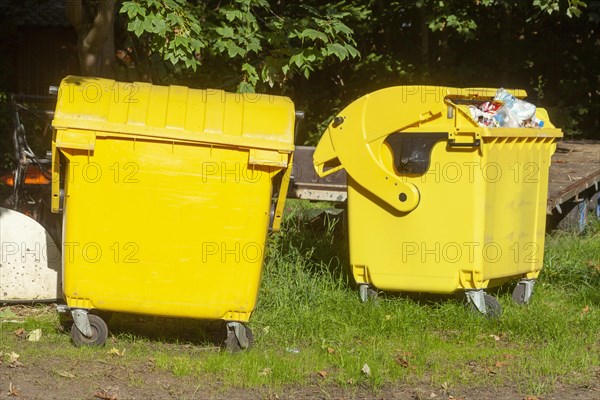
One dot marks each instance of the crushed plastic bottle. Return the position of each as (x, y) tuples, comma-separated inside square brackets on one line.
[(534, 123), (505, 118), (521, 110), (505, 97)]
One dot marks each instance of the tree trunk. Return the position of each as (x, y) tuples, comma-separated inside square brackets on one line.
[(95, 33)]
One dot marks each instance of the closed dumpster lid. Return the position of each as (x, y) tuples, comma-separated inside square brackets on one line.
[(175, 113)]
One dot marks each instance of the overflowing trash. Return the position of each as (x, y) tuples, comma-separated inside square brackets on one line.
[(506, 111)]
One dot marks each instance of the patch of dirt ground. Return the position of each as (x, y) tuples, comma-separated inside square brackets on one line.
[(55, 378)]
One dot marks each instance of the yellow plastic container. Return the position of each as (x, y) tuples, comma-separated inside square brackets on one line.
[(167, 196), (437, 203)]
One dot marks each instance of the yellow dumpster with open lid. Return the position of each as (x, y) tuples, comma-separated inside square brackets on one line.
[(169, 193), (436, 202)]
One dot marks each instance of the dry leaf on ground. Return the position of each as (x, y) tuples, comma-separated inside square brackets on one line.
[(402, 361), (105, 395), (35, 335), (13, 356), (366, 370), (116, 352), (585, 310), (14, 360), (19, 332), (66, 374), (445, 387), (12, 390)]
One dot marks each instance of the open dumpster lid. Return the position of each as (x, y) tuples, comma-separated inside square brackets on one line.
[(354, 138)]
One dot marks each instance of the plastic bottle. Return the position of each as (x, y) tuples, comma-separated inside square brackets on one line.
[(505, 97), (505, 118), (537, 123)]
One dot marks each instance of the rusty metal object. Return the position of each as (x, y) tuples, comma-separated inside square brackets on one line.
[(306, 184)]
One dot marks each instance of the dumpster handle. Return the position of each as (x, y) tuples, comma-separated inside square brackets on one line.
[(453, 143), (283, 189), (55, 202)]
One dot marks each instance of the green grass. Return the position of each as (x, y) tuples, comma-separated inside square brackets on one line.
[(308, 303)]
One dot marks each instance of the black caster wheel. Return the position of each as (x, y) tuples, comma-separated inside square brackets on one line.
[(493, 309), (518, 294), (99, 333), (522, 293), (232, 344)]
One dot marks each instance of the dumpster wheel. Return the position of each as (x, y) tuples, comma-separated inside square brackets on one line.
[(232, 343), (493, 309), (99, 333), (367, 293), (523, 291)]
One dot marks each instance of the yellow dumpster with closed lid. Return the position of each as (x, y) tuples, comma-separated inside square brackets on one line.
[(436, 202), (168, 194)]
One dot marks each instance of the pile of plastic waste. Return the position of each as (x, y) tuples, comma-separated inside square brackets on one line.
[(505, 111)]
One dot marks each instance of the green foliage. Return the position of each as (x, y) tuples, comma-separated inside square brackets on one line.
[(326, 55), (574, 7), (548, 6), (173, 29), (263, 45), (454, 16)]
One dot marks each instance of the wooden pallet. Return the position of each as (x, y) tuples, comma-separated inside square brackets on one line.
[(575, 168)]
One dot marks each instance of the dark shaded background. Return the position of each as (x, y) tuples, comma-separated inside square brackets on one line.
[(554, 57)]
